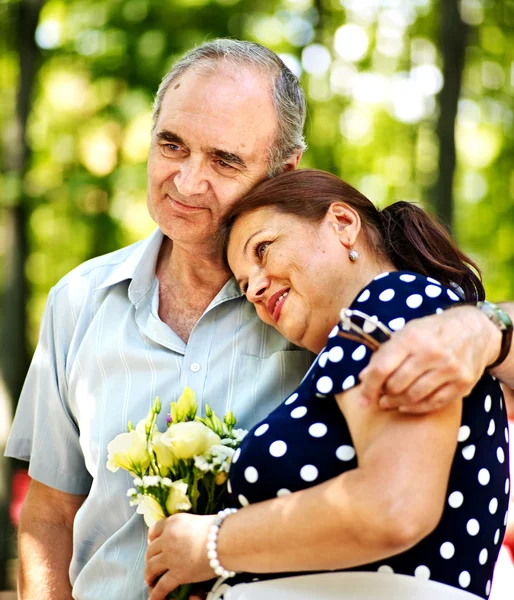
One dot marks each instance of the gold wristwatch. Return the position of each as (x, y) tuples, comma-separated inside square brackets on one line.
[(503, 322)]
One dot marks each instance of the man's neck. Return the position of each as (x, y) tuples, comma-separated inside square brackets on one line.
[(191, 268), (189, 280)]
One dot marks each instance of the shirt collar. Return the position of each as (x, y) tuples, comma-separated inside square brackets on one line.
[(139, 267)]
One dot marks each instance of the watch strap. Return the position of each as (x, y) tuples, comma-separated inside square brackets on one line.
[(503, 322)]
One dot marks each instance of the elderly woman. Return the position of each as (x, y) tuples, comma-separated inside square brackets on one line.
[(337, 499)]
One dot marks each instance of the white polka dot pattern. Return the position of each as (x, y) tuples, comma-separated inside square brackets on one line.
[(299, 412), (433, 291), (414, 301), (464, 579), (325, 385), (468, 452), (318, 430), (349, 382), (385, 569), (278, 449), (386, 295), (291, 399), (322, 359), (447, 550), (397, 324), (359, 353), (336, 354), (473, 527), (309, 473), (455, 499), (251, 474), (345, 453), (493, 506), (303, 442), (422, 572), (484, 477), (464, 433), (261, 430)]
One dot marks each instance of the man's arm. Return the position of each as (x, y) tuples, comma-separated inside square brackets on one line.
[(45, 543), (435, 360)]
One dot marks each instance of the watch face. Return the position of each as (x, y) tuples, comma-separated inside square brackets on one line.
[(498, 316)]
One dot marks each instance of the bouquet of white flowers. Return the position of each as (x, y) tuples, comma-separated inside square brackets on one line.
[(183, 469)]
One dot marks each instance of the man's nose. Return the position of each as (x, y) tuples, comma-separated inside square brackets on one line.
[(190, 179), (257, 287)]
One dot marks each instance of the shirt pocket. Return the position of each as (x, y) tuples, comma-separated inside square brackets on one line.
[(263, 383)]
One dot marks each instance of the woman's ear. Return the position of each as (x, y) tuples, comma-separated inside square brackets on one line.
[(346, 222)]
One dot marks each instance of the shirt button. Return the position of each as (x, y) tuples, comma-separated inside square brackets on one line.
[(195, 367)]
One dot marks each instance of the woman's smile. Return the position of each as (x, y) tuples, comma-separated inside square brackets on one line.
[(276, 302)]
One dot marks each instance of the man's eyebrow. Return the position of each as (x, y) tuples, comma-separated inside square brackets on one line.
[(228, 157), (169, 137)]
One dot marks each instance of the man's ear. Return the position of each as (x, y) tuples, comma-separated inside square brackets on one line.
[(292, 163), (346, 222)]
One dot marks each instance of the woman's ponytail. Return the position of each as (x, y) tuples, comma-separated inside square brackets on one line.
[(414, 241)]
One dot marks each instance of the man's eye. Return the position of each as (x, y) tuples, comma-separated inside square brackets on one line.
[(225, 165), (171, 147)]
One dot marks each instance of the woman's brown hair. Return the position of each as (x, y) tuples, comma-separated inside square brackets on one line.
[(404, 233)]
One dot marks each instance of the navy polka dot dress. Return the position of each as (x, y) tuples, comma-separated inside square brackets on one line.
[(306, 441)]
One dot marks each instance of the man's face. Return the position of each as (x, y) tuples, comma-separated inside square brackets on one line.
[(209, 147)]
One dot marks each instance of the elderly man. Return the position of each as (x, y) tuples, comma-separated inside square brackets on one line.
[(152, 318)]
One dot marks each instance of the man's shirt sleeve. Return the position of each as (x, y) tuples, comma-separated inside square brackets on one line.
[(44, 431)]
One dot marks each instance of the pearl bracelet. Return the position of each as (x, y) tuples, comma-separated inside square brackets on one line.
[(212, 544)]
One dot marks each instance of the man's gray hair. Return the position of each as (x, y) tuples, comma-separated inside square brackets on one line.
[(287, 94)]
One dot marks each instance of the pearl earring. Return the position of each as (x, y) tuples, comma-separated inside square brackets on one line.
[(353, 255)]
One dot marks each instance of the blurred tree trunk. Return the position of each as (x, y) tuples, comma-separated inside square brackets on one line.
[(14, 347), (454, 36)]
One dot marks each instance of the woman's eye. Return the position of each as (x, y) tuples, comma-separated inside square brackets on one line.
[(261, 248)]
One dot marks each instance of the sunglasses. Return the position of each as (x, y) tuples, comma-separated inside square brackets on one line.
[(360, 327)]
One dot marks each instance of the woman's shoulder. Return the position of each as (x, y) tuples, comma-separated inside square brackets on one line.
[(404, 295)]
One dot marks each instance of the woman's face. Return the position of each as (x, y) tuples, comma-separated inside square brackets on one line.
[(293, 271)]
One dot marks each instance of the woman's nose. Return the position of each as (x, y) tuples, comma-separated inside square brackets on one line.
[(257, 288)]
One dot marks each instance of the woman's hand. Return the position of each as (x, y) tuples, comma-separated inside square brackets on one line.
[(177, 553)]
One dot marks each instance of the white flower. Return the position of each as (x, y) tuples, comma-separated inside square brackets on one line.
[(151, 481), (128, 451), (151, 510), (177, 498), (203, 464), (189, 439)]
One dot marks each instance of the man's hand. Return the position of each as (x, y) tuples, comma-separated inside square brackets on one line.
[(432, 361), (177, 553)]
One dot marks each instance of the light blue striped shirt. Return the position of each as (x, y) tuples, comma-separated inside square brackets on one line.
[(102, 357)]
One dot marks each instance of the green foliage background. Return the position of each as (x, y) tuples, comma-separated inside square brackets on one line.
[(75, 185), (101, 62)]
